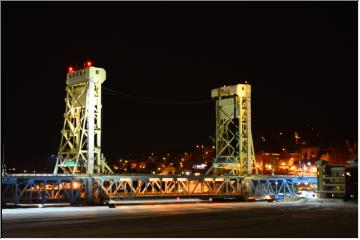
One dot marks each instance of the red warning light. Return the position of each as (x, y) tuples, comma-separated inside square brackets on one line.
[(71, 69), (88, 63)]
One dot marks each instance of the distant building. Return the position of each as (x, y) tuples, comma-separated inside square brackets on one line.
[(351, 179), (283, 163), (309, 153), (339, 153), (331, 180)]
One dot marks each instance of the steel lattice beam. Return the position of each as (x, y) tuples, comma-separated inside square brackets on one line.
[(233, 142), (80, 145), (49, 188)]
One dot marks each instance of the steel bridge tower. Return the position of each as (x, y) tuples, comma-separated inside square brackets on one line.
[(80, 146), (234, 144)]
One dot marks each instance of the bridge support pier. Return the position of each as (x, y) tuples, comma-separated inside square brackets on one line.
[(90, 190)]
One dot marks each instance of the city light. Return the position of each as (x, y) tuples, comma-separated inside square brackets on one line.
[(182, 179), (125, 179), (167, 179), (76, 185), (199, 166)]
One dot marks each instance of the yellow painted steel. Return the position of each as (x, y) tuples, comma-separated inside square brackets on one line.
[(80, 146), (234, 144)]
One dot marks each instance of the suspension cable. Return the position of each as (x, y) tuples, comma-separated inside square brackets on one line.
[(151, 99)]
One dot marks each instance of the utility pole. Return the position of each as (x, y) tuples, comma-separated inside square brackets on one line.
[(3, 160)]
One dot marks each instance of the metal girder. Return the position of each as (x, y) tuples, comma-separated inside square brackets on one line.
[(272, 186), (132, 186), (49, 188), (80, 145), (42, 190), (74, 189), (233, 142)]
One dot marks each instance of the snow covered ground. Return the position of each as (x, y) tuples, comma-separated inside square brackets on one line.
[(302, 218)]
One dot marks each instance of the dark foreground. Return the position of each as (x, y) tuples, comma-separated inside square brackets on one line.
[(311, 218)]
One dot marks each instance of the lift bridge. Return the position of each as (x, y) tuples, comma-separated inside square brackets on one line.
[(81, 174)]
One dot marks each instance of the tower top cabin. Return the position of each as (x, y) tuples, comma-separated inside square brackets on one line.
[(98, 75)]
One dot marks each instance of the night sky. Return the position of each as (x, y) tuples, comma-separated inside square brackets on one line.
[(299, 57)]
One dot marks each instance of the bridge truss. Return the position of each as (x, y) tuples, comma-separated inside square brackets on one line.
[(62, 188)]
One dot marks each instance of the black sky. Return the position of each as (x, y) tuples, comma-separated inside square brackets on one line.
[(300, 57)]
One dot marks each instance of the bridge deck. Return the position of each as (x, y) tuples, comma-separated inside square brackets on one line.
[(46, 188)]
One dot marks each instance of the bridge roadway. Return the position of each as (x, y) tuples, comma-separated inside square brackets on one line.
[(50, 188)]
